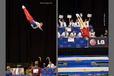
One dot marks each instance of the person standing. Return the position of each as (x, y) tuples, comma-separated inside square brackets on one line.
[(73, 34), (77, 24), (50, 65), (71, 23), (92, 33), (36, 71), (65, 34), (8, 71), (62, 23)]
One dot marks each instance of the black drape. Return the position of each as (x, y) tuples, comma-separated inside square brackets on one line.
[(23, 44)]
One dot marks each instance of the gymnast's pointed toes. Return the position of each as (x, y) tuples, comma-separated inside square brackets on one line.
[(23, 6)]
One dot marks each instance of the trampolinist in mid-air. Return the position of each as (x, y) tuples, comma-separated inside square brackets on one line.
[(34, 24), (83, 28)]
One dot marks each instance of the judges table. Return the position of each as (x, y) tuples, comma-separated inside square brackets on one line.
[(72, 42), (68, 42)]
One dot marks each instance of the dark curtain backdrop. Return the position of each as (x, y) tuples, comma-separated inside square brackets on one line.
[(23, 44), (97, 8), (83, 51)]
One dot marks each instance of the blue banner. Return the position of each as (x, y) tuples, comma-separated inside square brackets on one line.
[(76, 42)]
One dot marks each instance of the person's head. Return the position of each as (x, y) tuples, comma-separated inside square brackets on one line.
[(73, 31), (62, 20), (77, 20), (50, 62), (36, 63), (92, 30), (71, 20), (8, 67), (106, 31), (41, 23), (65, 30)]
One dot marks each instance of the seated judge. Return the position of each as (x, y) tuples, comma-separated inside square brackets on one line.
[(59, 35), (92, 33), (73, 34), (65, 34), (79, 34)]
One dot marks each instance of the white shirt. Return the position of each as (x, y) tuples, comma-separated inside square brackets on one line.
[(51, 66), (92, 34), (77, 24), (87, 23), (73, 35), (65, 34), (59, 35), (62, 24), (79, 34), (71, 24)]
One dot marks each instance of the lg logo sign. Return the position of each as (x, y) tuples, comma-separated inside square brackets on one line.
[(97, 42), (100, 42), (92, 42)]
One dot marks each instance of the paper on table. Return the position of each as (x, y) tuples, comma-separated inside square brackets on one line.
[(70, 39), (68, 29)]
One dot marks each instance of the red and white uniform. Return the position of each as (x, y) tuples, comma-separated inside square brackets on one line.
[(36, 71), (28, 16), (85, 32)]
